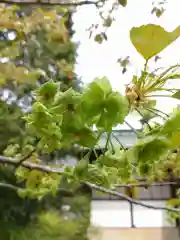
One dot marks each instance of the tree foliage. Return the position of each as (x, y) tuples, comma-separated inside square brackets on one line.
[(62, 118)]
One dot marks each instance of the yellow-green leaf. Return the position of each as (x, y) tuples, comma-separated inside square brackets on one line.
[(176, 95), (173, 202), (122, 2), (151, 39), (176, 139)]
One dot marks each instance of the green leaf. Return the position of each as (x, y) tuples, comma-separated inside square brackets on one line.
[(150, 149), (81, 168), (86, 137), (176, 95), (47, 91), (173, 202), (23, 193), (151, 39), (123, 2), (116, 108), (98, 38), (176, 139), (172, 125), (108, 22), (94, 96)]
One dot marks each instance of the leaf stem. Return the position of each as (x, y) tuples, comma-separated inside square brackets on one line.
[(154, 112), (107, 140), (143, 118), (157, 110), (133, 129), (112, 146), (116, 138), (168, 96)]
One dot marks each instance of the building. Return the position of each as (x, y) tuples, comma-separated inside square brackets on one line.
[(117, 219)]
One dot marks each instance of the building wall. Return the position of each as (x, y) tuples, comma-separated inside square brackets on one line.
[(113, 222), (136, 234)]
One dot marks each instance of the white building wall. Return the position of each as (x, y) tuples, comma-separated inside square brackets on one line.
[(116, 214)]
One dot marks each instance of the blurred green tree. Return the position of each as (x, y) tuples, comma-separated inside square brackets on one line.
[(35, 47)]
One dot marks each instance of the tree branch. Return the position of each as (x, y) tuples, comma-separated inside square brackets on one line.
[(64, 192), (25, 158), (129, 199), (30, 166), (51, 3), (10, 186)]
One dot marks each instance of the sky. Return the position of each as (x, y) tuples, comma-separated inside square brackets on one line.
[(98, 60)]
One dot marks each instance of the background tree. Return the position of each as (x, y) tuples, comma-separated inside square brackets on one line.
[(35, 47)]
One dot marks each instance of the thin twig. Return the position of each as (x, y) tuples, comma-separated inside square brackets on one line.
[(63, 191), (10, 186), (50, 3), (129, 199)]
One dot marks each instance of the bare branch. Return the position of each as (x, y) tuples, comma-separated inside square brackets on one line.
[(129, 199), (64, 192), (30, 166), (25, 158), (50, 3), (10, 186)]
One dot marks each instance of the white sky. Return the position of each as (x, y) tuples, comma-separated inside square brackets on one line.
[(97, 60)]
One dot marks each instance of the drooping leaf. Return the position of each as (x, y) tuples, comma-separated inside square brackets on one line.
[(172, 124), (151, 39), (123, 2), (176, 139), (174, 202), (81, 168), (99, 38), (86, 137), (131, 192), (108, 22), (176, 95), (150, 149)]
